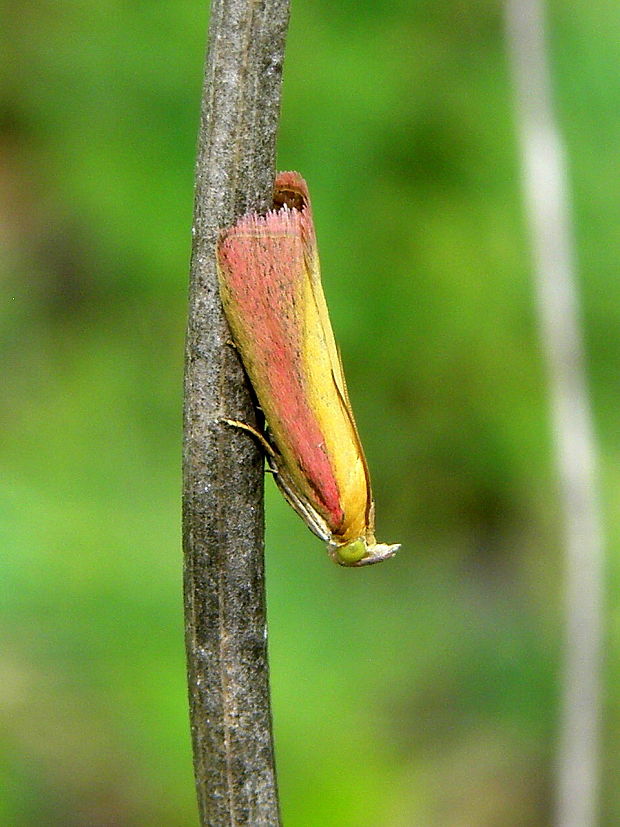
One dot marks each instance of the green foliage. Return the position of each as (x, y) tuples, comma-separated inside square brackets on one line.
[(422, 691)]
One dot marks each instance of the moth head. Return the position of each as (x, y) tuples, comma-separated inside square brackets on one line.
[(361, 552)]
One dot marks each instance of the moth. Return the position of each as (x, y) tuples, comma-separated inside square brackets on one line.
[(270, 285)]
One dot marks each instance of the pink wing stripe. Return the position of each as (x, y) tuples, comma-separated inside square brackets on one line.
[(263, 262)]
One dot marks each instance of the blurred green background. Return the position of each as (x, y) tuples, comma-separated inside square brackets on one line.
[(420, 692)]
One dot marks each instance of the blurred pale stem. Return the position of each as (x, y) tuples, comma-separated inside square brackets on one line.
[(546, 195), (223, 532)]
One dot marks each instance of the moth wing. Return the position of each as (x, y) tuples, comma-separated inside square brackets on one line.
[(266, 294), (337, 369)]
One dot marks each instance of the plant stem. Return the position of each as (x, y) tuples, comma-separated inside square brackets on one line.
[(546, 194), (223, 528)]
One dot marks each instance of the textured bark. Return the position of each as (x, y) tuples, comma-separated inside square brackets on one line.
[(223, 531)]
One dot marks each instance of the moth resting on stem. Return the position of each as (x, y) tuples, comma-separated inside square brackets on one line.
[(270, 285)]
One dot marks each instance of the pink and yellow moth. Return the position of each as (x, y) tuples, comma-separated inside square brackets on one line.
[(270, 285)]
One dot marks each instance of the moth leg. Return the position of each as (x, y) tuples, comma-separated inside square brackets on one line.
[(311, 518), (235, 423)]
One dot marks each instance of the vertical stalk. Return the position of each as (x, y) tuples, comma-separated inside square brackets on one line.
[(223, 531), (545, 183)]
